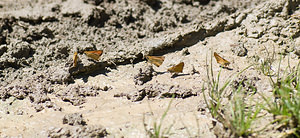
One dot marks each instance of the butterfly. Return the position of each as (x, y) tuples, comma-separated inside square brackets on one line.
[(177, 68), (156, 60), (221, 60), (94, 54), (75, 58)]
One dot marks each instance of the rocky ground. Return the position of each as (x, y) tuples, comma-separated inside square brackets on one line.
[(123, 95)]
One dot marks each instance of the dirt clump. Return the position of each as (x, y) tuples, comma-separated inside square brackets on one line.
[(239, 50), (77, 131), (160, 91), (76, 94), (21, 90), (248, 84), (74, 119), (145, 74), (98, 18)]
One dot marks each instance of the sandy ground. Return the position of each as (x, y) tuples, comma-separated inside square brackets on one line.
[(43, 95)]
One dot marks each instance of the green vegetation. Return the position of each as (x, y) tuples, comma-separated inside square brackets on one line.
[(241, 116), (233, 106), (266, 64), (215, 93), (156, 131), (285, 105)]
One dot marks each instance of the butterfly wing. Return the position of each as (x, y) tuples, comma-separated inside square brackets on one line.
[(94, 54), (221, 60), (75, 58), (156, 60), (177, 68)]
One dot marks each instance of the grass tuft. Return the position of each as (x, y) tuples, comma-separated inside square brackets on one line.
[(156, 131), (285, 105), (241, 116)]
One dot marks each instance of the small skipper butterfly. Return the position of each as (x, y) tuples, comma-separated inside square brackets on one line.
[(221, 60), (75, 58), (156, 60), (94, 54), (177, 68)]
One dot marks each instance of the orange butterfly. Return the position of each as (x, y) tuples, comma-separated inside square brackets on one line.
[(156, 60), (75, 58), (94, 54), (221, 60), (177, 68)]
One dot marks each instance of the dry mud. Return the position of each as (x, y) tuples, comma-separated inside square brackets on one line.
[(43, 95)]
